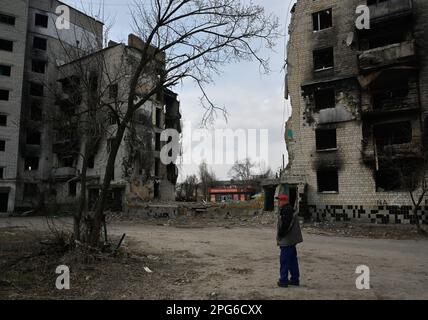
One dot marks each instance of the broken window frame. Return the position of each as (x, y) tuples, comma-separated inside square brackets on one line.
[(317, 20), (318, 94), (332, 187), (29, 161), (318, 57), (329, 133), (396, 133)]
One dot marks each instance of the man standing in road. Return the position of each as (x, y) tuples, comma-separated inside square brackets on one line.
[(289, 235)]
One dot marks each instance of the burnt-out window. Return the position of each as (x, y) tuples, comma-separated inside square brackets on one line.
[(390, 96), (393, 133), (2, 145), (36, 111), (3, 120), (322, 20), (158, 117), (36, 89), (40, 43), (91, 162), (326, 139), (38, 66), (325, 98), (7, 19), (31, 164), (34, 138), (41, 20), (158, 142), (157, 167), (4, 95), (6, 45), (323, 59), (2, 170), (328, 180), (5, 70), (72, 188), (388, 179)]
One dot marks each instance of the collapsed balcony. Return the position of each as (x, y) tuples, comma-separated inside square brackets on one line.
[(392, 141), (393, 92), (387, 55)]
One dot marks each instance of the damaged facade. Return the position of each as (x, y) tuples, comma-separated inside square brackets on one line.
[(359, 103), (41, 160)]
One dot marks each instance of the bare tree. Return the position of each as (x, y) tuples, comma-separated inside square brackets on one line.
[(243, 171), (186, 39), (207, 179), (188, 190)]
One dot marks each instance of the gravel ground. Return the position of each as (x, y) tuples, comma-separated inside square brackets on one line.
[(224, 261)]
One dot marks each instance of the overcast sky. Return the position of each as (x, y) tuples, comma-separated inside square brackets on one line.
[(253, 100)]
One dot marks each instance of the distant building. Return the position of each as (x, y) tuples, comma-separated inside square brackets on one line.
[(40, 158), (231, 191)]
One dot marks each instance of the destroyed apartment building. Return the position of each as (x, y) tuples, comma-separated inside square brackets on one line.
[(47, 125), (359, 102)]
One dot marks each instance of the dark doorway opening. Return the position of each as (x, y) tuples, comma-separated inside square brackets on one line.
[(270, 198), (4, 197), (157, 190)]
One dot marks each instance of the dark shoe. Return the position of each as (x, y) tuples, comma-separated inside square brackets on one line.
[(294, 284), (282, 285)]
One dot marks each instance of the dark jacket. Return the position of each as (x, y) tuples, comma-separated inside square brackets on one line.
[(288, 231)]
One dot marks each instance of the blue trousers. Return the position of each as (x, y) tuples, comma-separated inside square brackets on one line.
[(289, 265)]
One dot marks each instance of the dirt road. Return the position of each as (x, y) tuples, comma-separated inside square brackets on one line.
[(242, 263)]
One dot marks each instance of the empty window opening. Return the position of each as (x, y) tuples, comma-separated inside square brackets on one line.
[(158, 142), (3, 120), (36, 89), (326, 139), (36, 111), (158, 117), (388, 180), (7, 19), (2, 145), (323, 59), (6, 45), (4, 95), (325, 98), (2, 170), (328, 180), (40, 43), (390, 94), (31, 164), (34, 138), (157, 167), (41, 20), (322, 20), (91, 162), (38, 66), (72, 188), (5, 70), (392, 133)]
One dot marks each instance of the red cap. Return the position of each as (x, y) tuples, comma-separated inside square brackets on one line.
[(282, 197)]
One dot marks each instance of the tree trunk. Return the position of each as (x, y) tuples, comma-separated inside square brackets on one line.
[(82, 206), (98, 216)]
